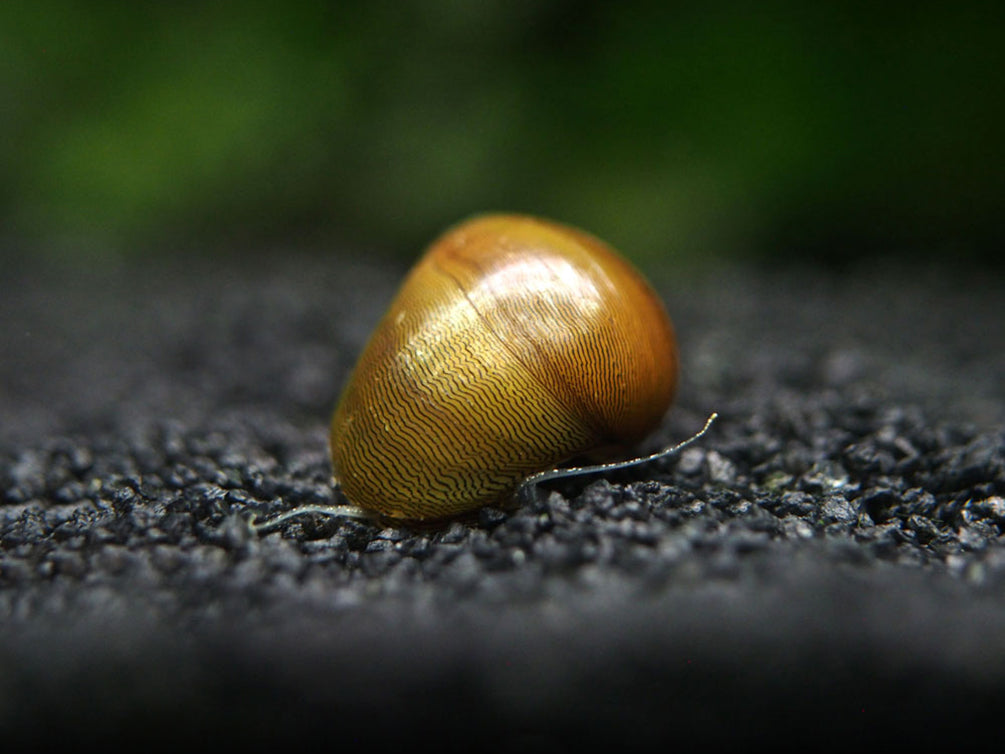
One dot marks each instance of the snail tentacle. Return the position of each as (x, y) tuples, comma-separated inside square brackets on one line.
[(617, 465), (333, 511)]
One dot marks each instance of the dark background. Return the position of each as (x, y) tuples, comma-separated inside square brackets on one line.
[(698, 131), (203, 212)]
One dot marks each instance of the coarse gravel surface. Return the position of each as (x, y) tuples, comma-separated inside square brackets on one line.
[(824, 568)]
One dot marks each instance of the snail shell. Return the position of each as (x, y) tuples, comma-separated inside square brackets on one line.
[(514, 344)]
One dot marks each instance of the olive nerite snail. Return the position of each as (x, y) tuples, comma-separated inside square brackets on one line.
[(515, 344)]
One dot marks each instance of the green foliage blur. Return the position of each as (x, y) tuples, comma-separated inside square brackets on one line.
[(693, 131)]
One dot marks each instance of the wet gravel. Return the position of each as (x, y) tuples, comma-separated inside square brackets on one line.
[(826, 567)]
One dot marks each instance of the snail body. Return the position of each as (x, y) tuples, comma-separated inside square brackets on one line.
[(515, 344)]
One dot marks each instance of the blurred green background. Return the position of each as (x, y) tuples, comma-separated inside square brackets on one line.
[(822, 131)]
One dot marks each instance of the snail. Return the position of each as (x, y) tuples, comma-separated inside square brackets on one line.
[(514, 345)]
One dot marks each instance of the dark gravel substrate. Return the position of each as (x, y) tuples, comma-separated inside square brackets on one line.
[(825, 568)]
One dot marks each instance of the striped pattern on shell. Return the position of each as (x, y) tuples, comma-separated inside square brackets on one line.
[(514, 344)]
